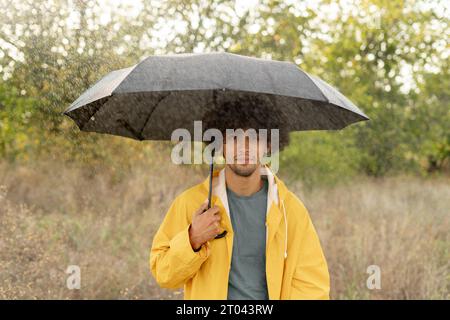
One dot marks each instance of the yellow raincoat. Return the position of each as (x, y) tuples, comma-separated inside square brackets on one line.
[(295, 265)]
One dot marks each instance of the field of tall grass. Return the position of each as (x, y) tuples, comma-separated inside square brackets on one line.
[(53, 215)]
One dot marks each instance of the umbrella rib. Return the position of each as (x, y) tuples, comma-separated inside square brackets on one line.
[(150, 114), (214, 98), (93, 114), (127, 126), (318, 88)]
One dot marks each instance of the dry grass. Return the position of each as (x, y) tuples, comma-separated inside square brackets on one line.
[(400, 224), (54, 215)]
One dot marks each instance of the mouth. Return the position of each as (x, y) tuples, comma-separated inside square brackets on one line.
[(245, 160)]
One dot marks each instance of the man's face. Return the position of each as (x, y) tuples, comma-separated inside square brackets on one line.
[(243, 151)]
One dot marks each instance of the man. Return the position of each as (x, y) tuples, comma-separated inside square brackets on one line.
[(271, 249)]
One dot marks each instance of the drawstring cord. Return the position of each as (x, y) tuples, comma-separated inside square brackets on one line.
[(286, 226)]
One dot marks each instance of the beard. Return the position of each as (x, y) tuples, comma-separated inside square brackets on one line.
[(243, 170)]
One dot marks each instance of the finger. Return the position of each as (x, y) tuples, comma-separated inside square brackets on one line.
[(213, 234), (216, 218), (215, 224), (213, 220), (212, 211), (214, 229), (218, 231), (202, 208)]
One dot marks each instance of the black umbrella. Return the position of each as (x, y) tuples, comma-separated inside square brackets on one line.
[(151, 99)]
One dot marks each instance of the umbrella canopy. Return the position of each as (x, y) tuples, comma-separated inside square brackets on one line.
[(151, 99)]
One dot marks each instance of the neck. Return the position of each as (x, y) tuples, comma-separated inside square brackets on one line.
[(243, 186)]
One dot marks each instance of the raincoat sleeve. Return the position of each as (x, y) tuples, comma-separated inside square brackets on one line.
[(172, 259), (311, 280)]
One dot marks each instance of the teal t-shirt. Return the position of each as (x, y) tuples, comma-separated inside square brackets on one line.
[(247, 279)]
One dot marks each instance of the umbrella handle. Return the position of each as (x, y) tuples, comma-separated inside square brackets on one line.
[(211, 169)]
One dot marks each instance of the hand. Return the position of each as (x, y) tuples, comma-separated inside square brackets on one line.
[(205, 226)]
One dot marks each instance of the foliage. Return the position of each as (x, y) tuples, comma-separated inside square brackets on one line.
[(389, 57)]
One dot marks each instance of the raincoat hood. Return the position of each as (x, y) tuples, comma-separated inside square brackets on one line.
[(276, 193)]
